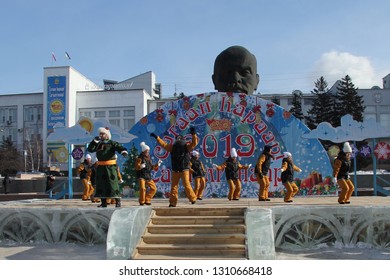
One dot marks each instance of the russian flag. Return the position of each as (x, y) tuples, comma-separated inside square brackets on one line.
[(67, 55), (53, 56)]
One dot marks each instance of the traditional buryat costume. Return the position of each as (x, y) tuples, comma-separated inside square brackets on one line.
[(232, 167), (198, 174), (180, 161), (106, 171), (341, 167), (287, 176), (262, 167), (85, 171), (144, 167)]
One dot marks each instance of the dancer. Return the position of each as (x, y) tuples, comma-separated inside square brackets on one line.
[(262, 167), (180, 162), (287, 176), (144, 167), (198, 174), (106, 171), (232, 167), (341, 167), (85, 171), (93, 183)]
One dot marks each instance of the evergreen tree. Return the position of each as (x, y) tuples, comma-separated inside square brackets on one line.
[(129, 172), (10, 159), (348, 101), (322, 109), (296, 108)]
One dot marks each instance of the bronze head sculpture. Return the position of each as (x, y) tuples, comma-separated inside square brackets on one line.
[(235, 70)]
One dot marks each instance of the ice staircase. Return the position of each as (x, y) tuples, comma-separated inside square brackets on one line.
[(194, 233)]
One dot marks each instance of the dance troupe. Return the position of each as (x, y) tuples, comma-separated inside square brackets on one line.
[(101, 180)]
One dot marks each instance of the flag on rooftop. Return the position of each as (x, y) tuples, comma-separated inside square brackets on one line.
[(53, 56), (67, 55)]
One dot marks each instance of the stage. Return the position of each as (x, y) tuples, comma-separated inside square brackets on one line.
[(308, 223)]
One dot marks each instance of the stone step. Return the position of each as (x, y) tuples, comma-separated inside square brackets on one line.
[(221, 250), (194, 233), (184, 211), (187, 257), (188, 220), (196, 229), (194, 239)]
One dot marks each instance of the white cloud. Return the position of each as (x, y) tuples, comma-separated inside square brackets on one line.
[(335, 65)]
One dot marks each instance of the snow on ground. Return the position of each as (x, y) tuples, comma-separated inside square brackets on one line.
[(69, 251)]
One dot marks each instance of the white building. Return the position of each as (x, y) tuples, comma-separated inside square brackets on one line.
[(67, 96)]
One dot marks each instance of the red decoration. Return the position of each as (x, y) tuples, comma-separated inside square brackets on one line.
[(286, 115), (382, 151), (144, 120)]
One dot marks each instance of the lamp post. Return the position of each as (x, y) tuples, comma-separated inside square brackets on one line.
[(25, 161)]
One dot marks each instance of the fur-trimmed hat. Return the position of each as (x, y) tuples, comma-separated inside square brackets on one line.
[(144, 147), (233, 152), (347, 148), (106, 131), (287, 154), (194, 153)]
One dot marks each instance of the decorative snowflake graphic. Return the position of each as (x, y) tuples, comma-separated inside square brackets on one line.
[(365, 151), (382, 151)]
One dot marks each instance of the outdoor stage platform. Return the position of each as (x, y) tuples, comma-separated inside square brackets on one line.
[(307, 223)]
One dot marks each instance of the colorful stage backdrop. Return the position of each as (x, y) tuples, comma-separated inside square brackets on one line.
[(245, 122)]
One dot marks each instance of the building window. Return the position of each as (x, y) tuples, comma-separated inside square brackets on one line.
[(369, 116), (40, 111), (32, 113), (129, 113), (369, 109), (8, 116), (115, 122), (128, 123), (13, 115), (100, 114), (114, 114), (85, 114), (123, 117), (384, 120)]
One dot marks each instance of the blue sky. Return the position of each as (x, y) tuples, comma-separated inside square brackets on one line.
[(295, 42)]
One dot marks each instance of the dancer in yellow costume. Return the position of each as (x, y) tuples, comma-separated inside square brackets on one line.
[(341, 167), (144, 167), (287, 176), (198, 174), (180, 161), (232, 167), (262, 167), (84, 171)]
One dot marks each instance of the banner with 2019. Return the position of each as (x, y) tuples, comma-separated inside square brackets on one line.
[(246, 123)]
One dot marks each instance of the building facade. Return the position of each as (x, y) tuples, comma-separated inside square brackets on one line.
[(67, 95)]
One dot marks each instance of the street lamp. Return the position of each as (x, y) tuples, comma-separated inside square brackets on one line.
[(25, 161)]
